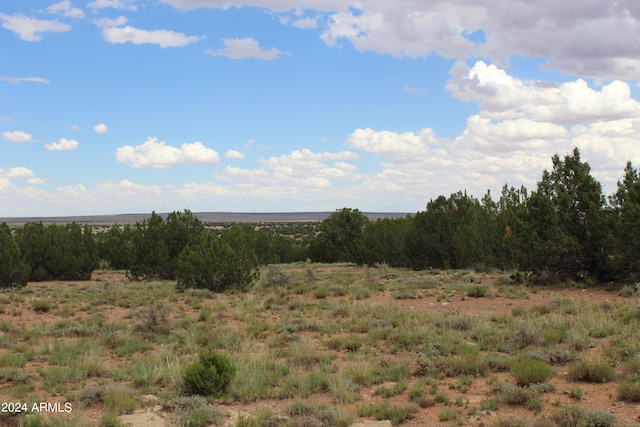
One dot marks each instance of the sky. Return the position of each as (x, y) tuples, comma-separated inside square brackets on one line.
[(133, 106)]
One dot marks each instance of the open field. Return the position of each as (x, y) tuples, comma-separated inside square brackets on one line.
[(324, 345)]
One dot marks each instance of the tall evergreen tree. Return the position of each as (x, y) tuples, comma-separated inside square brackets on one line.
[(577, 218), (14, 269)]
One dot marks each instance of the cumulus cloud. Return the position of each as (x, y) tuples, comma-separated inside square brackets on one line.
[(520, 125), (65, 9), (30, 29), (17, 136), (63, 145), (18, 80), (234, 155), (592, 40), (245, 48), (19, 172), (503, 96), (162, 38), (158, 155), (100, 128)]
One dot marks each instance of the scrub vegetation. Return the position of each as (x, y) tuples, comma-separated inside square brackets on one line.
[(521, 311)]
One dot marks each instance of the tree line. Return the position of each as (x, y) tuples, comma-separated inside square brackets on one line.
[(565, 229)]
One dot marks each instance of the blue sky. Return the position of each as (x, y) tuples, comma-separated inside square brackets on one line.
[(119, 106)]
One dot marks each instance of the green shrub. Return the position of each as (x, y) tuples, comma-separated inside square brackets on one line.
[(575, 416), (210, 375), (477, 291), (569, 416), (599, 419), (41, 306), (629, 391), (529, 371), (510, 420), (385, 411), (594, 372)]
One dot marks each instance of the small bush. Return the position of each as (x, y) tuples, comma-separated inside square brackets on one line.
[(575, 416), (477, 291), (276, 277), (90, 396), (627, 291), (384, 411), (530, 371), (510, 420), (594, 372), (119, 399), (209, 376), (599, 419), (629, 391), (41, 306)]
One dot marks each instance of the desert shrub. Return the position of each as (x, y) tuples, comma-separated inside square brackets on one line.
[(305, 414), (276, 277), (154, 318), (497, 362), (599, 419), (530, 371), (211, 374), (385, 411), (90, 396), (510, 420), (627, 291), (569, 416), (629, 391), (41, 306), (477, 291), (595, 372), (512, 394), (119, 399), (575, 416), (263, 418)]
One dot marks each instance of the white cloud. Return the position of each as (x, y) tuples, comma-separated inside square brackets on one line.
[(158, 155), (245, 48), (36, 181), (7, 119), (305, 23), (503, 96), (17, 136), (18, 80), (63, 145), (29, 29), (5, 185), (111, 22), (592, 40), (100, 128), (234, 155), (19, 172), (65, 9), (163, 38), (116, 4), (278, 5), (127, 188)]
